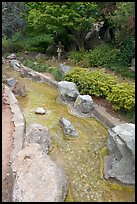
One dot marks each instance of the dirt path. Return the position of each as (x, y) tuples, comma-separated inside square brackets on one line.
[(7, 141)]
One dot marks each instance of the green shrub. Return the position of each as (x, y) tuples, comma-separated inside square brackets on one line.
[(56, 73), (35, 66), (122, 70), (102, 55), (40, 67), (122, 96), (127, 51), (79, 58), (91, 83), (103, 85)]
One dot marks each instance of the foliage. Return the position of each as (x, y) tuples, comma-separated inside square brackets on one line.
[(127, 51), (56, 73), (121, 69), (104, 85), (123, 17), (11, 18), (79, 58), (11, 46), (35, 66), (122, 96), (102, 55), (76, 18), (91, 83), (40, 67)]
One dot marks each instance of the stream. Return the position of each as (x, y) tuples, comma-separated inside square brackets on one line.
[(82, 157)]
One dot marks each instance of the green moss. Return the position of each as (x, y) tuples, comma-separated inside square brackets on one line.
[(103, 152), (69, 196), (80, 157)]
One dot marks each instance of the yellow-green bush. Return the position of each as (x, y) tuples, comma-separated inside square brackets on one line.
[(91, 83), (122, 96), (103, 85)]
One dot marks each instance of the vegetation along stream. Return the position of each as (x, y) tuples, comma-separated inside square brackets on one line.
[(82, 157)]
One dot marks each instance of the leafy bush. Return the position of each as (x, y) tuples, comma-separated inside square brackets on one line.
[(122, 70), (102, 55), (35, 66), (79, 58), (99, 56), (56, 73), (122, 96), (127, 51), (104, 85), (40, 67), (91, 83), (9, 46)]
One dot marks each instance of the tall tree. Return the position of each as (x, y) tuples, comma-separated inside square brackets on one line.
[(58, 17), (11, 19)]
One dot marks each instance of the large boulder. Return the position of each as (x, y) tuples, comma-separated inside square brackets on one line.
[(120, 164), (37, 177), (68, 90), (39, 134), (84, 103), (68, 128)]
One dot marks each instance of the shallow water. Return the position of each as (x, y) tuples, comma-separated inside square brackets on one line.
[(82, 157)]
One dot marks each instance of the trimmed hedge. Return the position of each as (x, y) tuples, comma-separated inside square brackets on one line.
[(103, 85), (122, 96)]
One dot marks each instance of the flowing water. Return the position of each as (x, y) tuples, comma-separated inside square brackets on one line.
[(82, 157)]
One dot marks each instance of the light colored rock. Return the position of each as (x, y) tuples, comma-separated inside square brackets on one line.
[(132, 68), (84, 103), (68, 128), (12, 56), (15, 64), (40, 111), (37, 177), (11, 82), (36, 133), (133, 62), (121, 143), (68, 90), (64, 68)]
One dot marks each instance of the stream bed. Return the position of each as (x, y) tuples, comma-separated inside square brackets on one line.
[(82, 157)]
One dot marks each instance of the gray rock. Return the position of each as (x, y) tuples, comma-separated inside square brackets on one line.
[(64, 68), (40, 111), (23, 91), (132, 68), (19, 89), (39, 134), (37, 177), (68, 90), (15, 64), (121, 143), (34, 76), (12, 56), (84, 103), (68, 128), (11, 82), (133, 62)]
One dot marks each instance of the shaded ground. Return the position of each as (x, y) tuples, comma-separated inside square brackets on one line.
[(7, 141)]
